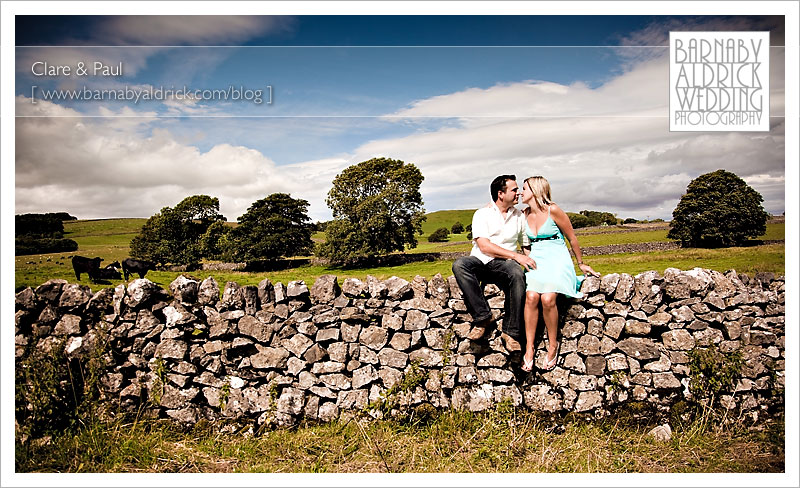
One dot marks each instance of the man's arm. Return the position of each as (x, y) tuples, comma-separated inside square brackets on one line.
[(493, 250)]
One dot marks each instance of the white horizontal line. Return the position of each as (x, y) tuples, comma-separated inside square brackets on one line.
[(350, 116), (326, 46)]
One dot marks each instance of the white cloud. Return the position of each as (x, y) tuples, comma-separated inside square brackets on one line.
[(605, 148), (122, 167), (155, 30)]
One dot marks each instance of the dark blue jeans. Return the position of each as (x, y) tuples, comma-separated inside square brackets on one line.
[(471, 275)]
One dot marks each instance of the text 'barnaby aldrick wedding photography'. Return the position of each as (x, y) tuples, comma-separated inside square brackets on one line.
[(719, 81)]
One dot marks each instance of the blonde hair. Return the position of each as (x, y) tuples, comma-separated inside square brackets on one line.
[(540, 188)]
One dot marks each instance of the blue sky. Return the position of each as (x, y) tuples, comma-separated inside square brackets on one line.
[(578, 99)]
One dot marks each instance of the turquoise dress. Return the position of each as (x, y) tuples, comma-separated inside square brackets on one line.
[(554, 271)]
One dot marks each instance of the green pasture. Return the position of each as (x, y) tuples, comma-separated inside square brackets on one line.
[(110, 240)]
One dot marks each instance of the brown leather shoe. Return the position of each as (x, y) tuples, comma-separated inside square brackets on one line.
[(476, 333), (479, 329), (510, 343)]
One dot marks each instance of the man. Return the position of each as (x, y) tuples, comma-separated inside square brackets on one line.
[(497, 230)]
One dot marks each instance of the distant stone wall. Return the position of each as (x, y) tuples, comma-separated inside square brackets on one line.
[(273, 354)]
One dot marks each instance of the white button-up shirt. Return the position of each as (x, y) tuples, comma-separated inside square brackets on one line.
[(507, 232)]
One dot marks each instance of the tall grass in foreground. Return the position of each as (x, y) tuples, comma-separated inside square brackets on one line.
[(503, 440)]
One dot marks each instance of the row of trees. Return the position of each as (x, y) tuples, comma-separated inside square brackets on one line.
[(275, 226), (41, 233), (377, 209)]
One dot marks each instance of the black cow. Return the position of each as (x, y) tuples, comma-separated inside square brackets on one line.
[(110, 272), (138, 266), (85, 265)]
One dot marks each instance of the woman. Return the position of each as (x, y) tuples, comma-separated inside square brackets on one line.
[(547, 225)]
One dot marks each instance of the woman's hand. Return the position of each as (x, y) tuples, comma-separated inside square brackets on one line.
[(587, 270)]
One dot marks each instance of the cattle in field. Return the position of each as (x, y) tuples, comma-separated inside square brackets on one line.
[(110, 272), (86, 265), (138, 266)]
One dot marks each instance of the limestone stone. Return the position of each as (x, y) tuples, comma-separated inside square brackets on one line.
[(336, 381), (354, 287), (639, 348), (269, 358), (184, 289), (542, 398), (397, 288), (574, 362), (589, 345), (661, 433), (74, 296), (298, 344), (573, 328), (426, 356), (374, 337), (665, 380), (707, 337), (439, 289), (596, 365), (252, 327), (297, 289), (266, 293), (364, 376), (579, 382), (636, 327), (679, 339), (328, 335), (392, 358), (140, 292), (615, 308), (625, 288), (663, 364), (376, 287), (614, 327), (68, 325), (327, 367), (588, 400), (660, 319), (434, 338), (590, 285), (325, 289), (608, 283), (475, 399), (416, 320), (616, 362)]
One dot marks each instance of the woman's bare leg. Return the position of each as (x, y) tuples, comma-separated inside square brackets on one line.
[(550, 312), (531, 315)]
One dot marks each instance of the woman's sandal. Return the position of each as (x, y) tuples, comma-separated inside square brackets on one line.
[(527, 366), (548, 365)]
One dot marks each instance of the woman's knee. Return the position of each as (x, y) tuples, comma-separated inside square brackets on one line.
[(531, 299), (549, 300)]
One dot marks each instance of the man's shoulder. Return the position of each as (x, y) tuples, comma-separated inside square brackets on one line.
[(485, 210)]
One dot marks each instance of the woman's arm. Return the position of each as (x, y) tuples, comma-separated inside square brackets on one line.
[(562, 221)]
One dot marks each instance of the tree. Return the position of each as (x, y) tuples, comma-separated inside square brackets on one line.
[(718, 209), (273, 227), (174, 235), (578, 220), (599, 218), (439, 235), (377, 209), (457, 228)]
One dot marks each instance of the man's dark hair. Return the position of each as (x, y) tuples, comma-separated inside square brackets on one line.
[(499, 184)]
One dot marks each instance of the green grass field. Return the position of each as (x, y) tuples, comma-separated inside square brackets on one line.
[(110, 239), (502, 440)]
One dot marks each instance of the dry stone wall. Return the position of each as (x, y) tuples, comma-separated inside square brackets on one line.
[(276, 353)]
